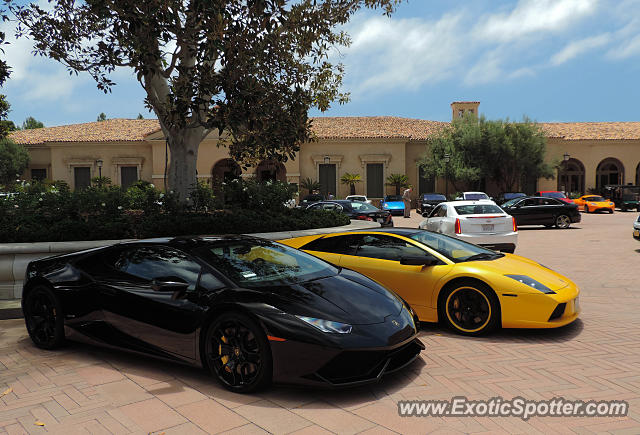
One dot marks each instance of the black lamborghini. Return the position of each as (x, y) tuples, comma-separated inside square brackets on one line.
[(248, 310)]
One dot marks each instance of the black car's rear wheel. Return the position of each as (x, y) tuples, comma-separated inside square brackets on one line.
[(470, 308), (238, 353), (563, 221), (43, 317)]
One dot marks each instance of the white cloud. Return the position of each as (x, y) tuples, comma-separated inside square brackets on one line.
[(628, 48), (387, 52), (576, 48), (533, 17)]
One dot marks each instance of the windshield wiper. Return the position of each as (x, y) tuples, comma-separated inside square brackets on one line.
[(484, 256)]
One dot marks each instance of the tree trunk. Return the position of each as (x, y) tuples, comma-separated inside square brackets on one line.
[(397, 189), (352, 188), (181, 173)]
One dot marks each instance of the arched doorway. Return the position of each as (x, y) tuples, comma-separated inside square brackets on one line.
[(271, 170), (609, 171), (225, 170), (571, 176), (638, 175)]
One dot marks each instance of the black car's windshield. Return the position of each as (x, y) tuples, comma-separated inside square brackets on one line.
[(393, 198), (454, 249), (256, 263), (428, 197), (362, 206)]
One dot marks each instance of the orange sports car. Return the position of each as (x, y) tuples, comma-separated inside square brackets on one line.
[(593, 203)]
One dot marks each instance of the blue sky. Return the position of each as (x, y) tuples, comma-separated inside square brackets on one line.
[(551, 60)]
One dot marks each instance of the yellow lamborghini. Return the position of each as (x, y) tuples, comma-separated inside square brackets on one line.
[(471, 289)]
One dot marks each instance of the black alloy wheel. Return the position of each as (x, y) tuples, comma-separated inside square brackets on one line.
[(563, 221), (469, 308), (238, 354), (43, 318)]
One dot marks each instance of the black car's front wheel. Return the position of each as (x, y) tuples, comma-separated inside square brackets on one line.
[(237, 353), (43, 317), (563, 221), (470, 308)]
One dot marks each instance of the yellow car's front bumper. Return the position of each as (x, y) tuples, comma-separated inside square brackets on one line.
[(532, 310)]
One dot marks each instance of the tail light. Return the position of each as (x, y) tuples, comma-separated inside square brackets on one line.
[(515, 226), (364, 218), (458, 229)]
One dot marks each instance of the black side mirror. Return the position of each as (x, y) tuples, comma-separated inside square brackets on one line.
[(418, 260), (169, 285)]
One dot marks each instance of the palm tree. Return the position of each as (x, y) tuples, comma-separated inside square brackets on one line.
[(399, 181), (351, 180), (310, 185)]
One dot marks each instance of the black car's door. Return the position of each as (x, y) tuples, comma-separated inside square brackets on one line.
[(134, 305), (527, 212), (553, 207)]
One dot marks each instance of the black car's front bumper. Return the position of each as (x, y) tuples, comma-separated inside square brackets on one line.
[(308, 364)]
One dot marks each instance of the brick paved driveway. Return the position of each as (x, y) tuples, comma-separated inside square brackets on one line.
[(83, 389)]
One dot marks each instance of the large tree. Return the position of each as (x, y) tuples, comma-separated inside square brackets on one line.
[(250, 68), (31, 123), (506, 152), (14, 159)]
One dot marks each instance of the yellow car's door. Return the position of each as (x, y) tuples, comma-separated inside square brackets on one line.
[(378, 257)]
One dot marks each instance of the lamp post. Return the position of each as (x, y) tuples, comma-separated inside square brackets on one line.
[(327, 160), (99, 163), (447, 157)]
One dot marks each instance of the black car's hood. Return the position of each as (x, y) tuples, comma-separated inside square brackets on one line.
[(346, 297)]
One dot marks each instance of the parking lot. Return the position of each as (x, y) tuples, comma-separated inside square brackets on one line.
[(84, 389)]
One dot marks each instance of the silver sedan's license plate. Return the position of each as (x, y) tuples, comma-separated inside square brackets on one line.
[(636, 233), (487, 227)]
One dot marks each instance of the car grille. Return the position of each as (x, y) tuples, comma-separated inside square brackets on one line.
[(361, 365)]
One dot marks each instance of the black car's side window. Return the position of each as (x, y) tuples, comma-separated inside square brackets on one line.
[(155, 262), (346, 245), (531, 202), (386, 248)]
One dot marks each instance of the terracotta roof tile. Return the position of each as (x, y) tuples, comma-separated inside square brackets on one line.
[(345, 127), (592, 130), (111, 130)]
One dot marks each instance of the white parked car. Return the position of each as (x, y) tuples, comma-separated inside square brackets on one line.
[(480, 222), (474, 196), (361, 198), (636, 229)]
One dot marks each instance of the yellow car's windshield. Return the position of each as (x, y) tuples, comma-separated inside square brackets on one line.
[(454, 249)]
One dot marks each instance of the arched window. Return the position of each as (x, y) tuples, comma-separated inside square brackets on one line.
[(225, 170), (609, 171), (571, 176), (271, 170)]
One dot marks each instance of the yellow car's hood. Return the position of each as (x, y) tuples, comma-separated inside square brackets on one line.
[(512, 264)]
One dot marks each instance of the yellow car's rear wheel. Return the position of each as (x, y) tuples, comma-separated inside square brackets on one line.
[(470, 308)]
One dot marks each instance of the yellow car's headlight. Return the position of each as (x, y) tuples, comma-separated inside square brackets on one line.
[(527, 280)]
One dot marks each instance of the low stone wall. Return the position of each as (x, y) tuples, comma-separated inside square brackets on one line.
[(14, 257)]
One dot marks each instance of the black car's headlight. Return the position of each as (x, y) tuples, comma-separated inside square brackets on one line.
[(327, 325), (524, 279)]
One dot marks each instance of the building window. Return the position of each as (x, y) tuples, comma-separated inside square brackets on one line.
[(38, 174), (81, 177), (375, 180), (327, 179), (128, 175)]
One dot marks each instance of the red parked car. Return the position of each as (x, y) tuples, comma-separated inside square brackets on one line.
[(555, 194)]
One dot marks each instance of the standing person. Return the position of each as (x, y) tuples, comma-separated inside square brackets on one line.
[(406, 197), (330, 196)]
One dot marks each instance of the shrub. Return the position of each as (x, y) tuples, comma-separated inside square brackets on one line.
[(51, 212)]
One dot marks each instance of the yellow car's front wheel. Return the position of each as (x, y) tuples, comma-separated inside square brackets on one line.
[(469, 308)]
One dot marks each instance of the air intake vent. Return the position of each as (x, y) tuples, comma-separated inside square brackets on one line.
[(558, 312)]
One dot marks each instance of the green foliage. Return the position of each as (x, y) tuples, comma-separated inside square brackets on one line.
[(14, 159), (140, 116), (5, 125), (351, 180), (101, 181), (49, 211), (31, 123), (310, 185), (251, 68), (503, 151), (398, 181), (101, 117)]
